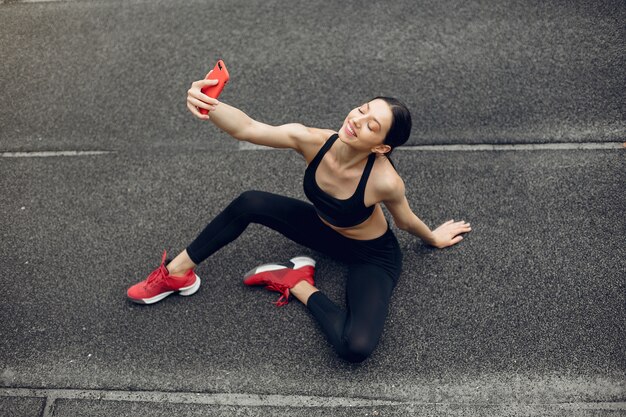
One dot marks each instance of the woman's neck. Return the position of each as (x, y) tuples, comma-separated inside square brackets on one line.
[(347, 157)]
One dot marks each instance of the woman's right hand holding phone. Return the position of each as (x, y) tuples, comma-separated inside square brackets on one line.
[(195, 98)]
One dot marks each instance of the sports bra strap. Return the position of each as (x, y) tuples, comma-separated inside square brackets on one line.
[(325, 147), (366, 173)]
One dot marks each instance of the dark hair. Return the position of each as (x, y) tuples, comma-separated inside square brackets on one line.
[(400, 129)]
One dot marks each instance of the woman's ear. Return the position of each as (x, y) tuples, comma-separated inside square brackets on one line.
[(381, 149)]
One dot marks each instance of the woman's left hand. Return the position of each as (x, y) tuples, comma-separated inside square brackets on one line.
[(448, 233)]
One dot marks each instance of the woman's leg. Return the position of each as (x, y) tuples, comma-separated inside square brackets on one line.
[(354, 333), (295, 219), (180, 264)]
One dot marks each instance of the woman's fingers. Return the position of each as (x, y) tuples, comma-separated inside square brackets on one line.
[(196, 99), (194, 110), (196, 92), (194, 104), (456, 225), (462, 225), (203, 83), (212, 101), (456, 240), (199, 103), (450, 233)]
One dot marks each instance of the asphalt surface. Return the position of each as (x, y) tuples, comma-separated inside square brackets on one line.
[(110, 74), (525, 317)]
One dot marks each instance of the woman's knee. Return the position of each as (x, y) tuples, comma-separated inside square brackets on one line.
[(359, 347), (249, 201)]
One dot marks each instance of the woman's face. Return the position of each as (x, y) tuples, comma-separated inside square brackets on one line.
[(367, 125)]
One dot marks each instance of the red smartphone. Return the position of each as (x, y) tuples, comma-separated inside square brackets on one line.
[(219, 73)]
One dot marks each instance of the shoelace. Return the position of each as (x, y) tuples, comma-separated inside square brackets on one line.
[(155, 277), (158, 274), (283, 289)]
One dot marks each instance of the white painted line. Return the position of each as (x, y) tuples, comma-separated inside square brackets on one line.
[(246, 146), (249, 400), (593, 406), (516, 147), (46, 154), (48, 408), (39, 1), (255, 400)]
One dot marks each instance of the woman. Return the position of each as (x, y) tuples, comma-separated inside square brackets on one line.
[(347, 178)]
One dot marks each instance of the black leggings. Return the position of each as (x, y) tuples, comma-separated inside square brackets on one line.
[(373, 265)]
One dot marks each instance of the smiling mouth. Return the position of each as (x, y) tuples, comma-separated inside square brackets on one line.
[(349, 130)]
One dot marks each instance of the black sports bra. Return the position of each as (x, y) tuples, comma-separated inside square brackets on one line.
[(340, 213)]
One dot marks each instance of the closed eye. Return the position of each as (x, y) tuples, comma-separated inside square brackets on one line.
[(362, 112)]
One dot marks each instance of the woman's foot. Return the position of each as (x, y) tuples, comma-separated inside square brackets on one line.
[(281, 277), (160, 284)]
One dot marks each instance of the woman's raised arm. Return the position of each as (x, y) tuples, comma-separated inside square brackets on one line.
[(242, 127)]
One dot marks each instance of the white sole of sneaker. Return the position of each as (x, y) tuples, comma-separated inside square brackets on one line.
[(185, 291), (264, 268), (190, 290), (298, 262)]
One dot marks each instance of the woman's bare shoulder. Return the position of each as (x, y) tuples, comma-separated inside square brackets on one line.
[(314, 141), (386, 180)]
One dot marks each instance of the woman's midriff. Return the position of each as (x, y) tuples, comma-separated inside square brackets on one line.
[(375, 226)]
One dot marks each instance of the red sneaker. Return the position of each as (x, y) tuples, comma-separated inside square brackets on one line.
[(282, 277), (160, 284)]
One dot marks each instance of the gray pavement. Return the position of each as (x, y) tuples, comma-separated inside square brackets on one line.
[(114, 74), (525, 317)]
